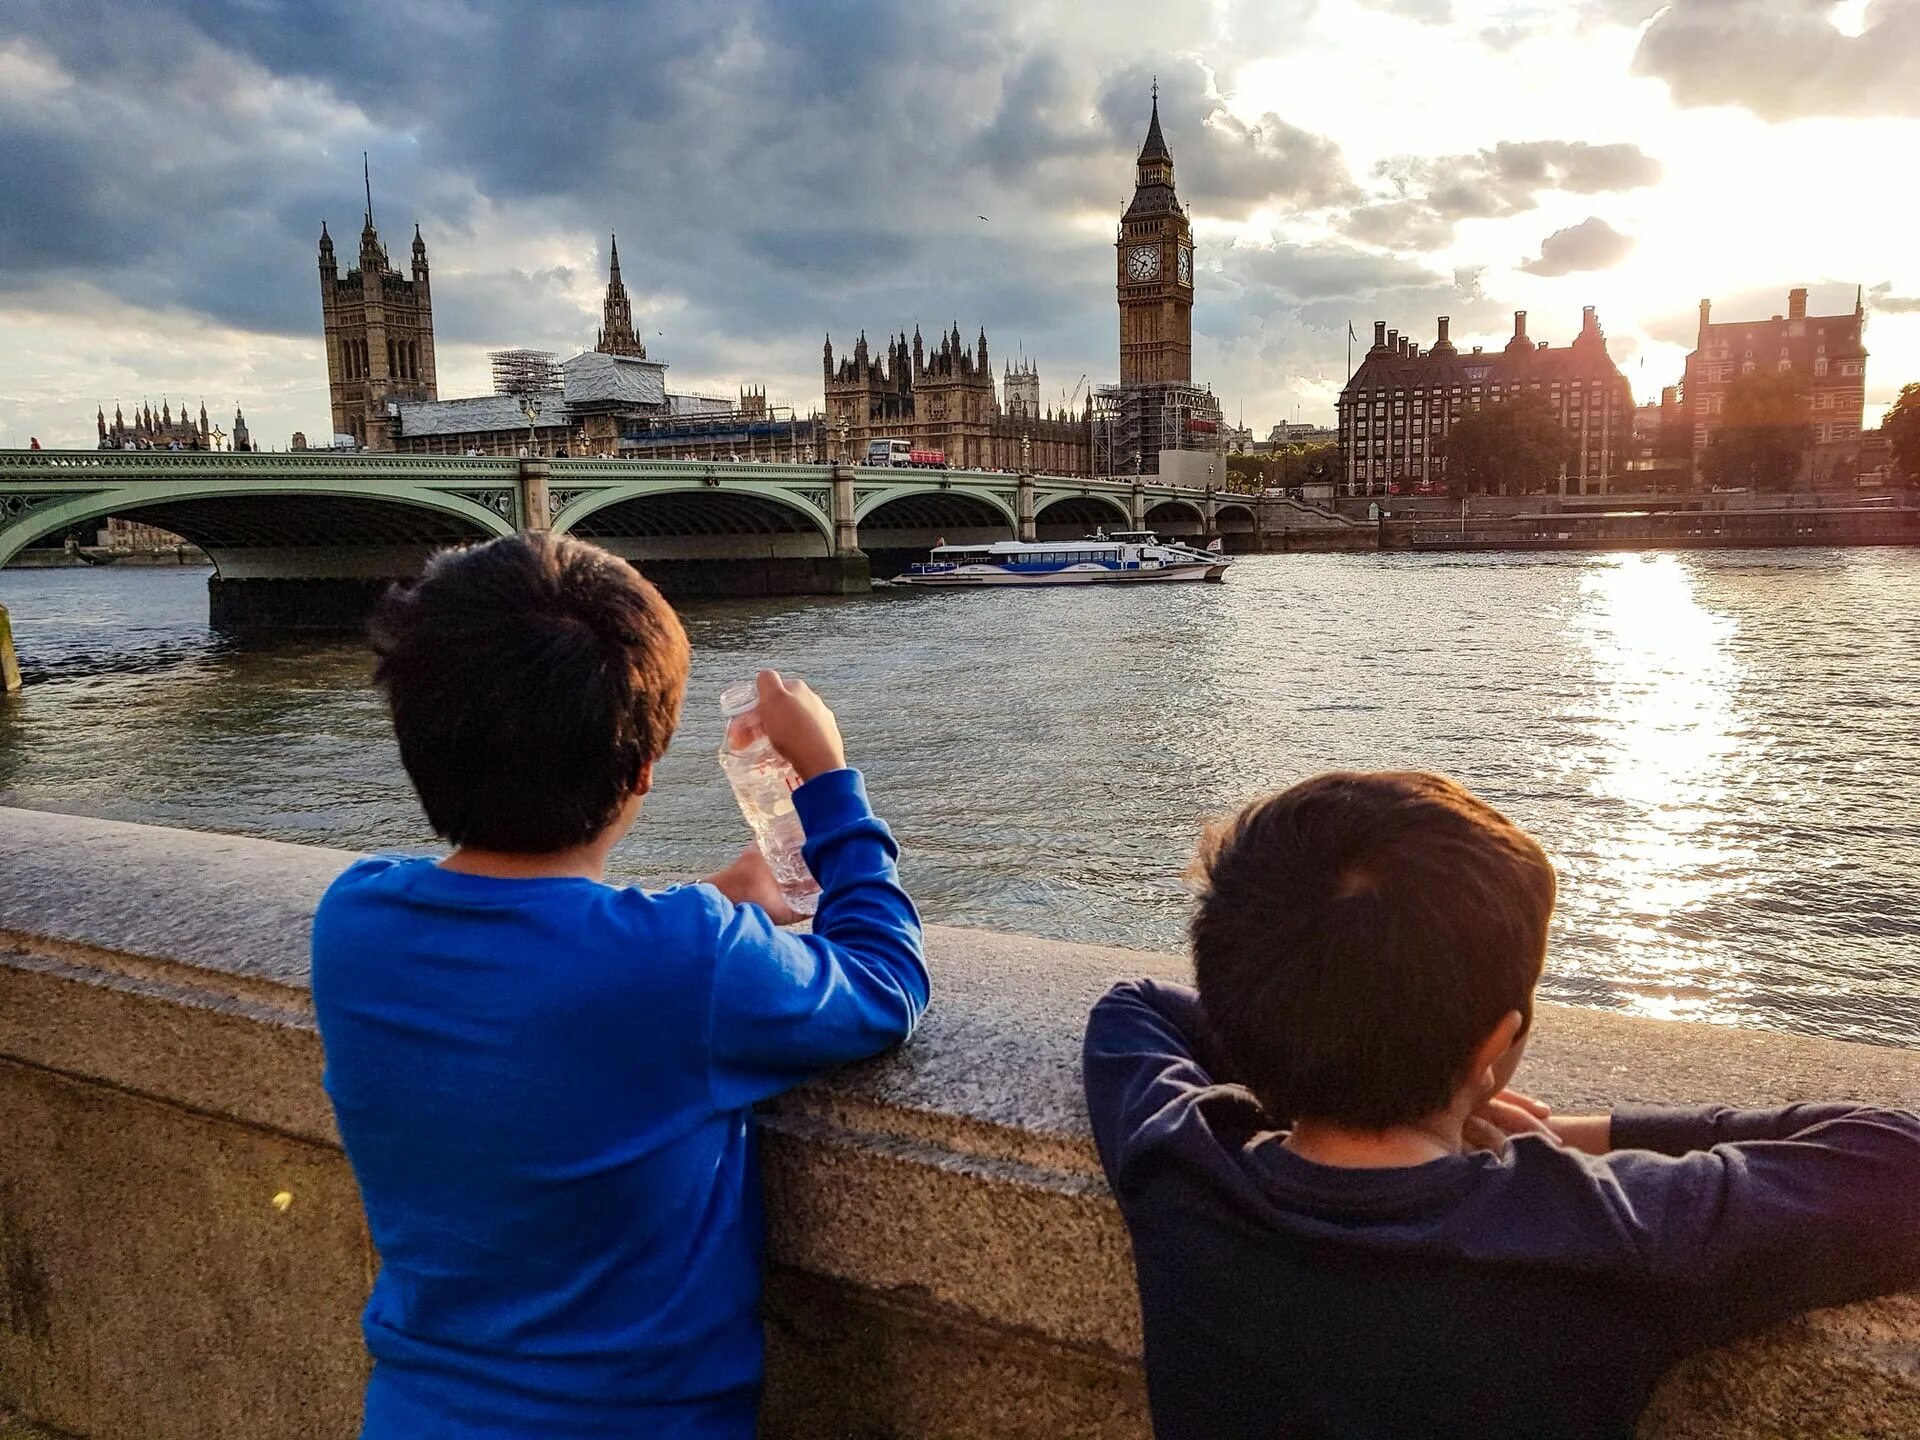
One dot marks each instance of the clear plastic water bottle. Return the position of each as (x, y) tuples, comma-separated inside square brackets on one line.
[(763, 782)]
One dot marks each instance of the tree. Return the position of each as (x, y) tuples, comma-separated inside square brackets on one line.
[(1514, 448), (1902, 429), (1763, 443), (1247, 474)]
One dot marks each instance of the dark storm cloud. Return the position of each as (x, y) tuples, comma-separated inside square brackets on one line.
[(1593, 244), (1435, 191), (772, 168), (1783, 59)]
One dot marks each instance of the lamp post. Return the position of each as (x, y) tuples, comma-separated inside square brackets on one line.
[(531, 409), (218, 436)]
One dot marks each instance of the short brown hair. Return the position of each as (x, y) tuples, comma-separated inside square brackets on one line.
[(531, 679), (1358, 935)]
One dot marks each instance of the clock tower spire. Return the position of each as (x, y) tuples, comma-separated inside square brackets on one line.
[(1155, 271)]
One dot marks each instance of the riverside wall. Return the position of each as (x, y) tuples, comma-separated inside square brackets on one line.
[(182, 1252)]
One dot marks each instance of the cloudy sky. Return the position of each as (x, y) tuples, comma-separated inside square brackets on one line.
[(780, 168)]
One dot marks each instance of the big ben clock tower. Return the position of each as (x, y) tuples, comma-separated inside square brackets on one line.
[(1155, 272)]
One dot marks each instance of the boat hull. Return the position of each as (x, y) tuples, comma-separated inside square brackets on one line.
[(996, 579)]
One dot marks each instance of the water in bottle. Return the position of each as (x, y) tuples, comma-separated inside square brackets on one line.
[(763, 782)]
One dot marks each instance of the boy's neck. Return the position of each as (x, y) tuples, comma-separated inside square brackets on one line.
[(578, 862), (1418, 1142), (582, 862)]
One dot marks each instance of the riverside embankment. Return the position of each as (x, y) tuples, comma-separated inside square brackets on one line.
[(184, 1254)]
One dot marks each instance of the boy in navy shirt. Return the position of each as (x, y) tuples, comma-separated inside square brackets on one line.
[(544, 1081), (1345, 1225)]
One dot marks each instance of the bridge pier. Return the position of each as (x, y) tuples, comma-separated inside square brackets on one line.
[(9, 662), (846, 528), (535, 512)]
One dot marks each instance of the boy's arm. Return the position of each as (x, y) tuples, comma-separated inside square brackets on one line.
[(785, 1005), (1824, 1209), (1145, 1063), (1678, 1130)]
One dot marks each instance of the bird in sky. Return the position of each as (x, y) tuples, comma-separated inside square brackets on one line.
[(983, 217)]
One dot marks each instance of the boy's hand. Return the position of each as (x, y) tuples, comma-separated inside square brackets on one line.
[(748, 881), (1511, 1113), (800, 726), (1502, 1116)]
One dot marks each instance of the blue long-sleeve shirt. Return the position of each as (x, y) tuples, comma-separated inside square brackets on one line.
[(1539, 1293), (543, 1086)]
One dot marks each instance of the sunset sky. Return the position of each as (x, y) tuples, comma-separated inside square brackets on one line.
[(781, 169)]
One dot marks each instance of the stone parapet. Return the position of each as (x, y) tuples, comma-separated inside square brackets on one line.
[(182, 1254)]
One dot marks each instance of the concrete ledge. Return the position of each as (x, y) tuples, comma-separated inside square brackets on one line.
[(946, 1261)]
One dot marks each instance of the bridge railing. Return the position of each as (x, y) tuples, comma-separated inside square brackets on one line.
[(177, 464)]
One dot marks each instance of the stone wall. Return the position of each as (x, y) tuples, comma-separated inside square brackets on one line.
[(181, 1251)]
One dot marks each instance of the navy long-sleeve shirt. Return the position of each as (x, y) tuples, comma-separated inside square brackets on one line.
[(543, 1086), (1542, 1292)]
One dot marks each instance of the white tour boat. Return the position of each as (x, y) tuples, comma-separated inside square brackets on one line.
[(1122, 558)]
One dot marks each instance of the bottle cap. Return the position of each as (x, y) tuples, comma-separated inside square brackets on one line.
[(738, 698)]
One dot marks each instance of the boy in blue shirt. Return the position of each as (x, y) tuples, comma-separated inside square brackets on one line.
[(544, 1082), (1346, 1227)]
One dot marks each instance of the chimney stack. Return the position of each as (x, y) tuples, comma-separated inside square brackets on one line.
[(1413, 350), (1706, 311), (1519, 324), (1797, 304), (1393, 341), (1379, 334), (1444, 322)]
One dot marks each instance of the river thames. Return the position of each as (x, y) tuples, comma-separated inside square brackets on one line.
[(1720, 750)]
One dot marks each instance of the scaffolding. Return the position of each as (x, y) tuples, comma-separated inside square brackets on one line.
[(1133, 425), (525, 372)]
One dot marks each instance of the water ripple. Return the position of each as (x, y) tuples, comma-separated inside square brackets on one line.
[(1717, 749)]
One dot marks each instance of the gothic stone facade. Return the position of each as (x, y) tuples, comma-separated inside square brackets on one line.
[(1402, 401), (944, 399), (379, 336)]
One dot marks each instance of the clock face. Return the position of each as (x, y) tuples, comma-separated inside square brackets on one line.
[(1143, 262), (1185, 266)]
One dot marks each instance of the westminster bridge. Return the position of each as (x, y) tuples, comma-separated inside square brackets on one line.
[(307, 539)]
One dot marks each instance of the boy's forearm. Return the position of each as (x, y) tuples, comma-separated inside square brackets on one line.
[(1680, 1130), (863, 908), (1590, 1134)]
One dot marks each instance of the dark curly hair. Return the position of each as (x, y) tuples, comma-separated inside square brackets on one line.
[(531, 679), (1359, 935)]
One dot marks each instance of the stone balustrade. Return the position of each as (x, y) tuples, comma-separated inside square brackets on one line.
[(182, 1253)]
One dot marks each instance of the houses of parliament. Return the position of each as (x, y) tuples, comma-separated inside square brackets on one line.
[(939, 396), (1154, 422)]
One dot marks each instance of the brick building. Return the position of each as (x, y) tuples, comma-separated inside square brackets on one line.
[(1402, 401), (944, 399), (1826, 350), (379, 335)]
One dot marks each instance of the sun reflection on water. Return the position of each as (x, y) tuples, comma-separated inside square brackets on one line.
[(1664, 748)]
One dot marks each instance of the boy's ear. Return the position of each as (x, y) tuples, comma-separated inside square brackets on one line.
[(644, 784), (1489, 1065)]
